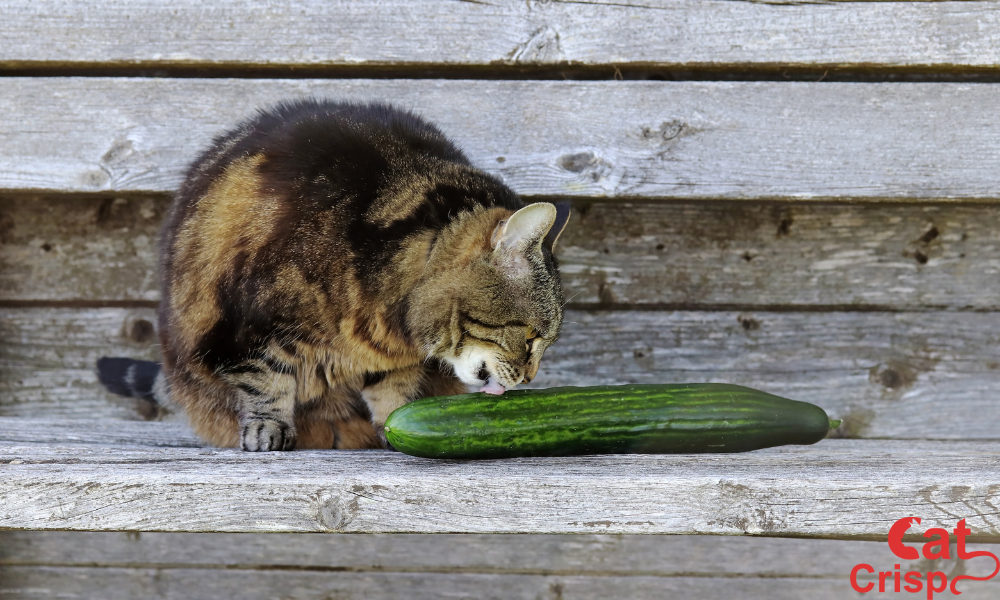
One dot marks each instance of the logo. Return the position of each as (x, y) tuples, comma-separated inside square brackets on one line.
[(939, 547)]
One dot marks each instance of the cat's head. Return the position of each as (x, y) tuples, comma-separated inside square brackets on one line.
[(490, 302)]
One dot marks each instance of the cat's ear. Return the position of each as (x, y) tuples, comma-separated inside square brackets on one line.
[(562, 217), (525, 229)]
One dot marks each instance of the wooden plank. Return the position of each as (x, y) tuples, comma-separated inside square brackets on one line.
[(47, 363), (888, 375), (80, 249), (748, 255), (527, 554), (615, 139), (650, 33), (593, 554), (195, 584), (856, 490), (91, 431), (752, 256)]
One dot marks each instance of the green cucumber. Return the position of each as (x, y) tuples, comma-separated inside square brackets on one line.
[(623, 419)]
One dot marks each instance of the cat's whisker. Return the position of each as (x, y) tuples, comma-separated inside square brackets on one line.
[(570, 299)]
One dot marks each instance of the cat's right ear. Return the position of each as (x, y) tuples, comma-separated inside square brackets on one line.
[(526, 228), (521, 235)]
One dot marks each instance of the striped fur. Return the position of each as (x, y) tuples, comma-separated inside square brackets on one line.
[(325, 263)]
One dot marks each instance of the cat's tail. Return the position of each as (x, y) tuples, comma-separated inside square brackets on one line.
[(141, 379)]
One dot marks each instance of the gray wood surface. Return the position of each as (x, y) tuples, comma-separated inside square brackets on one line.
[(888, 375), (750, 255), (710, 254), (620, 139), (42, 583), (48, 362), (526, 554), (93, 249), (929, 375), (593, 554), (89, 431), (499, 33), (836, 489)]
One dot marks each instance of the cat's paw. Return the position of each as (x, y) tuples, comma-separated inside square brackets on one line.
[(264, 435)]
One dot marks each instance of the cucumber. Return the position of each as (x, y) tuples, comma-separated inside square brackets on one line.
[(623, 419)]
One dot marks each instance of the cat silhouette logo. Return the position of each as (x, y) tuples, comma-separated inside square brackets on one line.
[(939, 547)]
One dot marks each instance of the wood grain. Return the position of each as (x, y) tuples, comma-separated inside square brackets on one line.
[(50, 362), (612, 139), (888, 375), (504, 33), (750, 255), (690, 254), (95, 249), (90, 431), (593, 554), (499, 554), (857, 488), (42, 583)]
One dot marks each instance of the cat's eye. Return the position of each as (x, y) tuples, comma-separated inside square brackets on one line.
[(532, 334)]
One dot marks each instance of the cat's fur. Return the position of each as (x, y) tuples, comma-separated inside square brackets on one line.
[(325, 263)]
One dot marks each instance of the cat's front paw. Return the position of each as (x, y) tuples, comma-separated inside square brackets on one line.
[(264, 435)]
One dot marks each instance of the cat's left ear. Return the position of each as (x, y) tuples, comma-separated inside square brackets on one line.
[(526, 229)]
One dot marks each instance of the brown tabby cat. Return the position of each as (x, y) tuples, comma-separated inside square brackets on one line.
[(326, 263)]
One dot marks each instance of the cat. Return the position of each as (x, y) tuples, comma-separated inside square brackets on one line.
[(324, 263)]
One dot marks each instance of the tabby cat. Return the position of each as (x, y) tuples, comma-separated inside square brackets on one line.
[(325, 263)]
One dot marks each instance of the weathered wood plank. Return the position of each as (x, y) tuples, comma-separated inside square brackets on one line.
[(858, 490), (79, 249), (470, 553), (902, 257), (623, 139), (551, 555), (496, 34), (748, 255), (43, 583), (92, 431), (527, 554), (886, 374), (46, 362)]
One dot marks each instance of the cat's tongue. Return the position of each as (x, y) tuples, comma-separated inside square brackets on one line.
[(493, 387)]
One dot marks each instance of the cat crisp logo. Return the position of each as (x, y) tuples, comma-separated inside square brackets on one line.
[(937, 548)]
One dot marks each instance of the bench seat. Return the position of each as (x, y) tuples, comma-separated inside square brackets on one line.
[(154, 477)]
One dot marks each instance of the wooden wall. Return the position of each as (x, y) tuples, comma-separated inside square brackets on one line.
[(795, 197)]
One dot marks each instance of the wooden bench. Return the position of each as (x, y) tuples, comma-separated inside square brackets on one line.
[(795, 197)]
